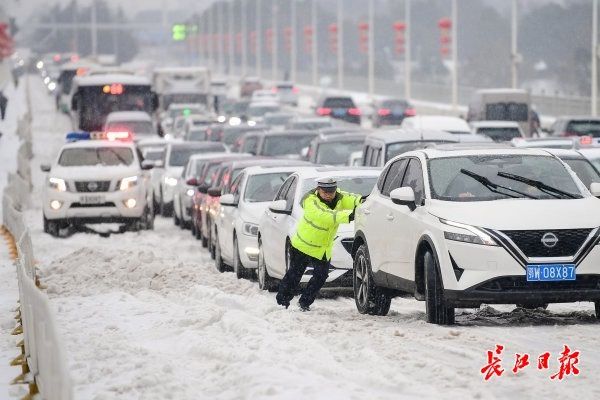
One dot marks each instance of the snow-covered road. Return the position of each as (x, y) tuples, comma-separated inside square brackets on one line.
[(147, 316)]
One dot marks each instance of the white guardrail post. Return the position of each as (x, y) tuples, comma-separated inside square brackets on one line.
[(43, 358)]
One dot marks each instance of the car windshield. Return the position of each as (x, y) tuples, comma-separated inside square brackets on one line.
[(259, 111), (584, 128), (394, 149), (277, 119), (131, 126), (153, 154), (500, 134), (395, 104), (264, 187), (311, 125), (338, 102), (584, 170), (362, 185), (502, 176), (285, 144), (181, 111), (180, 156), (90, 156), (197, 134), (337, 153), (231, 135)]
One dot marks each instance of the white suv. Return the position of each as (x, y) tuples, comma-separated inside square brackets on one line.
[(95, 181), (459, 228)]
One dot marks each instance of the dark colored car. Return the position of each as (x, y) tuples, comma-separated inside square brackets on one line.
[(576, 126), (342, 108), (391, 112)]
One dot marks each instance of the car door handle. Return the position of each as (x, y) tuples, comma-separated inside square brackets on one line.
[(389, 217)]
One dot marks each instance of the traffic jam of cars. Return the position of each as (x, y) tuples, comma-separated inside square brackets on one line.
[(453, 213)]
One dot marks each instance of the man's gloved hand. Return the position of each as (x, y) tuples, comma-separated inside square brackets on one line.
[(351, 216)]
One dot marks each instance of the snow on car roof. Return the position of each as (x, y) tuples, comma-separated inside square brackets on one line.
[(495, 124), (97, 143), (411, 135), (565, 153), (268, 169), (106, 79), (458, 152), (315, 172), (128, 116), (436, 122)]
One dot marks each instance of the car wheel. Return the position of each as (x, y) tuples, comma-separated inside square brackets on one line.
[(597, 307), (238, 268), (221, 266), (435, 306), (265, 282), (148, 220), (52, 227), (369, 298)]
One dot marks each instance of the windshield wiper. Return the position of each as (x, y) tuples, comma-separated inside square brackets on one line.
[(493, 187), (552, 191)]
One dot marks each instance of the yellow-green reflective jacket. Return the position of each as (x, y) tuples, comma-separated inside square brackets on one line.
[(318, 226)]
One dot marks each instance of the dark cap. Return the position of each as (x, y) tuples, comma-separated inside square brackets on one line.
[(327, 184)]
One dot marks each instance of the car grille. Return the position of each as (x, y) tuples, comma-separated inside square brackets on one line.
[(520, 284), (81, 205), (92, 186), (530, 242)]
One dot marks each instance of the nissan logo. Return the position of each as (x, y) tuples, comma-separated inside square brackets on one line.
[(549, 240), (92, 186)]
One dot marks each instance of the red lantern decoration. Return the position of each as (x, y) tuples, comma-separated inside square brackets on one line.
[(333, 38), (399, 28), (308, 39), (445, 25), (287, 35), (363, 37), (253, 42), (269, 40)]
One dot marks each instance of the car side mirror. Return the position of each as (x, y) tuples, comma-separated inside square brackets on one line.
[(203, 188), (192, 182), (279, 207), (147, 165), (46, 168), (404, 196), (304, 153), (228, 200), (214, 191), (595, 189)]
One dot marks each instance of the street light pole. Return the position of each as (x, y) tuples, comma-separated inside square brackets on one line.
[(340, 43), (274, 41), (221, 35), (371, 61), (94, 30), (407, 55), (513, 45), (454, 57), (231, 41), (595, 58), (294, 43), (244, 37), (259, 32), (315, 61)]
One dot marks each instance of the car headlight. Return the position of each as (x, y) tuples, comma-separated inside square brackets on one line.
[(251, 123), (221, 119), (234, 121), (128, 183), (250, 229), (189, 192), (57, 184), (477, 236), (170, 181)]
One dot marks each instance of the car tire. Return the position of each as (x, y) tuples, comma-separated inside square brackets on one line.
[(52, 227), (597, 308), (147, 220), (240, 271), (265, 282), (369, 298), (435, 306), (219, 263)]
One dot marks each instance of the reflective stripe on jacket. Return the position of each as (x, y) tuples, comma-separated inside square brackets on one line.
[(318, 226)]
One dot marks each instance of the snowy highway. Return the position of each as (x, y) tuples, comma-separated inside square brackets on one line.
[(147, 315)]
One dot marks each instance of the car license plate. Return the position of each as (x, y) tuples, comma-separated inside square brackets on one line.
[(550, 272), (91, 199), (339, 112)]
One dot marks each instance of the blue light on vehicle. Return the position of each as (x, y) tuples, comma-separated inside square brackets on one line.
[(75, 136)]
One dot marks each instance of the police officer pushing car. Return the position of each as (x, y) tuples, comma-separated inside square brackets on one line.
[(325, 208)]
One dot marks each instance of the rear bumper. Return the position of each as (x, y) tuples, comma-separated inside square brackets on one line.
[(516, 290)]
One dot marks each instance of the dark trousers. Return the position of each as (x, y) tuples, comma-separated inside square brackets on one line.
[(298, 264)]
